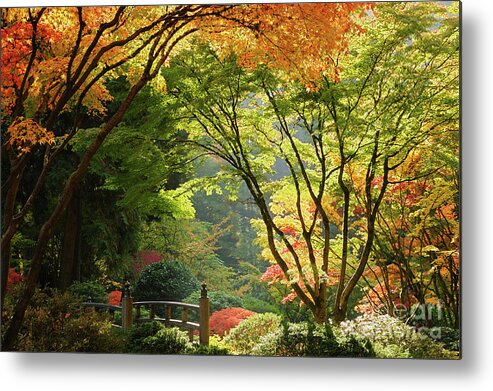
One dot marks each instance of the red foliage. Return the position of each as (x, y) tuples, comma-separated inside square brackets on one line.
[(289, 231), (298, 244), (289, 298), (16, 51), (145, 258), (373, 301), (224, 320), (115, 297), (272, 274), (13, 277), (358, 211), (406, 193)]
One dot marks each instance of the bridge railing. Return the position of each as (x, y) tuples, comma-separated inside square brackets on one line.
[(161, 311)]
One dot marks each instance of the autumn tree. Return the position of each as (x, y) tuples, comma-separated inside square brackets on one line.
[(417, 247), (57, 71), (64, 56), (340, 142), (406, 103)]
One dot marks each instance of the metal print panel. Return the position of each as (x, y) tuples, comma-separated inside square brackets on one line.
[(261, 179)]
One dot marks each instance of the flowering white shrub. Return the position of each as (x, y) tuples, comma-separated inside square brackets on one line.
[(392, 338)]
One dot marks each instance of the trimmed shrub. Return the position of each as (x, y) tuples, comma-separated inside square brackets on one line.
[(167, 341), (167, 280), (140, 332), (208, 351), (308, 339), (392, 338), (242, 338), (217, 347), (154, 338), (224, 320), (89, 291)]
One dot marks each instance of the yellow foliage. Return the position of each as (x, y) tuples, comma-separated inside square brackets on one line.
[(26, 133)]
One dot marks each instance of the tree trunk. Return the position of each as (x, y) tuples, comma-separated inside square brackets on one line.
[(340, 310), (9, 229), (320, 312), (5, 269), (46, 231)]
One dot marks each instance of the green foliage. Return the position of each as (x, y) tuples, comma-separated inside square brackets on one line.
[(166, 341), (218, 300), (142, 331), (393, 105), (154, 338), (216, 347), (247, 334), (134, 175), (449, 337), (109, 233), (166, 280), (57, 322), (208, 350), (137, 159), (392, 338), (193, 243), (312, 340), (257, 305), (236, 244), (89, 291)]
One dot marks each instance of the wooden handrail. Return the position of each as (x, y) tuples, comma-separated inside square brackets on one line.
[(169, 303), (127, 312), (174, 322)]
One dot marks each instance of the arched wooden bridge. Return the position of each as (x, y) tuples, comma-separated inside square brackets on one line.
[(163, 308)]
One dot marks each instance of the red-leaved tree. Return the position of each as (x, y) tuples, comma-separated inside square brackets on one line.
[(224, 320)]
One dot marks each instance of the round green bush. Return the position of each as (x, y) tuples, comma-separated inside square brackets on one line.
[(247, 334), (154, 338), (167, 280), (89, 291), (140, 332)]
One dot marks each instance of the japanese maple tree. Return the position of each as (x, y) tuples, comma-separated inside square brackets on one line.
[(339, 146)]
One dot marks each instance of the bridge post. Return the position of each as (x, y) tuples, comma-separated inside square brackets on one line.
[(204, 316), (127, 305)]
